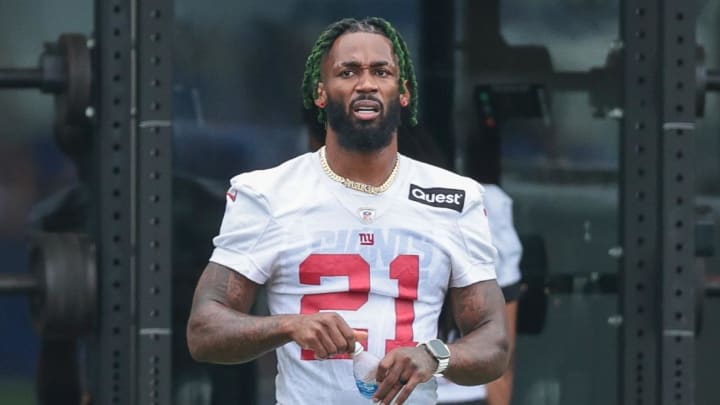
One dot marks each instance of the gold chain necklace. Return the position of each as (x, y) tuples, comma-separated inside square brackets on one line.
[(355, 185)]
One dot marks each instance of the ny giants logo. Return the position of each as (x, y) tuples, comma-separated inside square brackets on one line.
[(367, 239), (438, 197)]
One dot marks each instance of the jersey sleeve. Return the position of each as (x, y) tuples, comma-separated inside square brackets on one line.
[(504, 237), (249, 235), (474, 261)]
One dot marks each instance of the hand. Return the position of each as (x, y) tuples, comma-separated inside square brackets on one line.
[(400, 371), (325, 333)]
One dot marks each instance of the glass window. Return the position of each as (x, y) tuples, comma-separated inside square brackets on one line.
[(35, 176)]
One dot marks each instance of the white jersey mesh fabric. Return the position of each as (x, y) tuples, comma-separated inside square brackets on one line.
[(383, 262)]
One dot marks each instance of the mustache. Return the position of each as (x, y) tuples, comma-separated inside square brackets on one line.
[(367, 97)]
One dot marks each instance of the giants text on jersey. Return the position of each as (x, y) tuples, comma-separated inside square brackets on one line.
[(383, 262)]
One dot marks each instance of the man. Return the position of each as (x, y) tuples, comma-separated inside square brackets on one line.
[(354, 242), (418, 144)]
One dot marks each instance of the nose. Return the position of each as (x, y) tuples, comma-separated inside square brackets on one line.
[(366, 83)]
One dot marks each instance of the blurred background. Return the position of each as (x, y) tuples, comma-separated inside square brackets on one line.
[(527, 94)]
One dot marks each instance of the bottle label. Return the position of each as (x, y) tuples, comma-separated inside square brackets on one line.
[(367, 389)]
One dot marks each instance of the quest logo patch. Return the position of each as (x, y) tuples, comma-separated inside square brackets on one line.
[(438, 197)]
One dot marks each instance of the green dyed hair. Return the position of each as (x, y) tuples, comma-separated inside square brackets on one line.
[(313, 66)]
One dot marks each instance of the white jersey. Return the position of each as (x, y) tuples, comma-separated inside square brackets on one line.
[(383, 262), (507, 266)]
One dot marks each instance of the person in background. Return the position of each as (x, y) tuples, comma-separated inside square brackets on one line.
[(418, 144), (507, 266)]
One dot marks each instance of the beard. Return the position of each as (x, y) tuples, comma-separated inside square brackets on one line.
[(364, 136)]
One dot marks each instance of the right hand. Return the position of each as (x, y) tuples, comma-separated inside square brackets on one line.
[(325, 333)]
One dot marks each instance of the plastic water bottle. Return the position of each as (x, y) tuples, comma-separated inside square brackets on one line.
[(364, 368)]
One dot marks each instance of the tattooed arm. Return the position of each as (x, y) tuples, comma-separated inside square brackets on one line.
[(482, 354), (499, 392), (220, 329)]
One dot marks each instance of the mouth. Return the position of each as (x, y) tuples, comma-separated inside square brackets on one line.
[(366, 109)]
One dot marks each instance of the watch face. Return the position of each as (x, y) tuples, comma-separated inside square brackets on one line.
[(438, 348)]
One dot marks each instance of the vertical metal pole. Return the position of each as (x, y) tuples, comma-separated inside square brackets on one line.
[(657, 199), (639, 202), (130, 361), (110, 355), (154, 22), (676, 216)]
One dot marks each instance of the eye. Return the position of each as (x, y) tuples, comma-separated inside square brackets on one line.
[(347, 73), (382, 72)]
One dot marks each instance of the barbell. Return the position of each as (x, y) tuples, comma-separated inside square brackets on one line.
[(65, 71), (61, 284)]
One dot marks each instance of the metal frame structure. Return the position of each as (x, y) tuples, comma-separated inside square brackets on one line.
[(657, 199), (677, 200), (154, 25), (110, 354), (131, 356)]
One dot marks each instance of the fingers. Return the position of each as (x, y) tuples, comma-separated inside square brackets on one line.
[(339, 341), (341, 335), (398, 384), (400, 390), (407, 390), (388, 397), (384, 367), (389, 376), (324, 333), (331, 337), (348, 336), (399, 373), (327, 346)]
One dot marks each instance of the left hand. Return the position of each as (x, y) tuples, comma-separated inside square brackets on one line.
[(400, 371)]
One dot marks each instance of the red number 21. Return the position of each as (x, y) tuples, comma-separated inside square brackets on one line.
[(404, 269)]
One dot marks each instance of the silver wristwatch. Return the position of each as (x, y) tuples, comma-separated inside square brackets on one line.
[(438, 349)]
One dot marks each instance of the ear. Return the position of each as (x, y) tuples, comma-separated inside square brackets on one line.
[(405, 96), (321, 100)]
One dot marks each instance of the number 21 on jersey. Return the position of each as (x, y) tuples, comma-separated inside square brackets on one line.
[(404, 268)]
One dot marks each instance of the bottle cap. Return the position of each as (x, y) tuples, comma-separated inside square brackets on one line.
[(358, 348)]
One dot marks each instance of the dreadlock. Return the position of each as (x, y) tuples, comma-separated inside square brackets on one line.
[(377, 25)]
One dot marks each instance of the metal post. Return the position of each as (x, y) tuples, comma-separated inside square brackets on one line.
[(131, 357), (657, 199), (638, 380), (19, 283), (21, 78), (676, 212), (154, 201), (110, 355)]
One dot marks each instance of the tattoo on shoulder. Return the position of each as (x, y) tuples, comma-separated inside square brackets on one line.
[(221, 284), (213, 282), (236, 286), (474, 303)]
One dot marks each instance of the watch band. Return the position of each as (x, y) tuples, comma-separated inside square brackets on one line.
[(443, 362), (442, 365)]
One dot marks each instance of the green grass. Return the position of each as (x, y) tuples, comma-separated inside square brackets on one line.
[(17, 392)]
